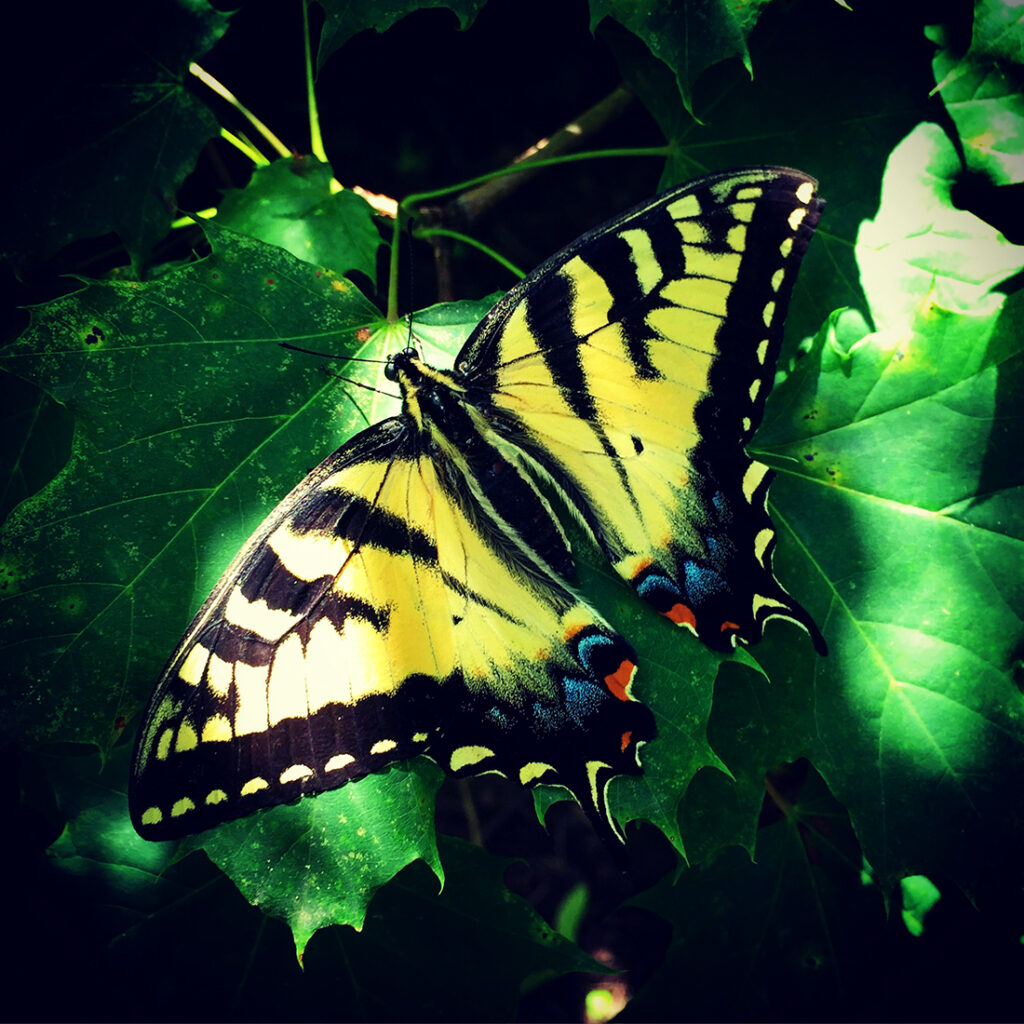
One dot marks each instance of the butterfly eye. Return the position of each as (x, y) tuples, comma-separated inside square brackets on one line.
[(399, 359)]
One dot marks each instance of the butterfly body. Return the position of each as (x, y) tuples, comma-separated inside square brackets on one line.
[(440, 406), (413, 594)]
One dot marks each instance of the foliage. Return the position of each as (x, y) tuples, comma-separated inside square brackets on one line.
[(898, 502)]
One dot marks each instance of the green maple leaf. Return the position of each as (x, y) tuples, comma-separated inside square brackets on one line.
[(290, 203), (981, 89), (114, 131), (912, 514)]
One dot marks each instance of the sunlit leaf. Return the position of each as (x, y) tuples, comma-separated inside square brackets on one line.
[(920, 894), (981, 89), (319, 862), (191, 422), (912, 515), (290, 203), (920, 251)]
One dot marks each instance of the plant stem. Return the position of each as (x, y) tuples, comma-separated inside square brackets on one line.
[(591, 154), (221, 90), (316, 142), (401, 217), (469, 240), (246, 147)]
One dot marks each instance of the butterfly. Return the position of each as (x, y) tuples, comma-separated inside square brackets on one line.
[(412, 595)]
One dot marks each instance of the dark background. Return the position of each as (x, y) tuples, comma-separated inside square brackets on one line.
[(420, 106)]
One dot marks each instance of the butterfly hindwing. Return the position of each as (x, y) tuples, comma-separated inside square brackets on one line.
[(634, 366)]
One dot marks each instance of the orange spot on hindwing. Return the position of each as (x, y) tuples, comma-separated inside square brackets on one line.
[(605, 655), (627, 738), (618, 682), (682, 616)]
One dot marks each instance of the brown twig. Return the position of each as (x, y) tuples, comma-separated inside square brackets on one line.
[(478, 201), (473, 204)]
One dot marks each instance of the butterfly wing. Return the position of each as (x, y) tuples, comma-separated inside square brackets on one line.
[(376, 615), (634, 365)]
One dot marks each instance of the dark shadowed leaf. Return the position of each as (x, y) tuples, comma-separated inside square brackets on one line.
[(686, 38), (345, 19), (112, 130), (463, 953), (787, 936)]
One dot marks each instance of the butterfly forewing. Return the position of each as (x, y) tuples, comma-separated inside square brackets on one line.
[(375, 616), (634, 366)]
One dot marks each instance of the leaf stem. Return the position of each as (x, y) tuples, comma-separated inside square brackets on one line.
[(529, 165), (246, 147), (190, 219), (475, 243), (777, 798), (316, 142), (401, 217), (225, 93)]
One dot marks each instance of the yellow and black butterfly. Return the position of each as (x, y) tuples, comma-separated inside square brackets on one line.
[(410, 596)]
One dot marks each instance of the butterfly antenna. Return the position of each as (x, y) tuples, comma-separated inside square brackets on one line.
[(347, 380), (328, 355), (411, 274)]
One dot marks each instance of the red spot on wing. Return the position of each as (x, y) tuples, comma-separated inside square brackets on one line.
[(735, 626), (682, 616), (627, 738), (618, 682)]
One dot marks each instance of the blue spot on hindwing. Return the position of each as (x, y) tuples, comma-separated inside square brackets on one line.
[(702, 582), (716, 549), (544, 717), (583, 697), (655, 586), (589, 647), (498, 717)]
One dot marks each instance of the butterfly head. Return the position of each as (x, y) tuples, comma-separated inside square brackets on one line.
[(401, 363)]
